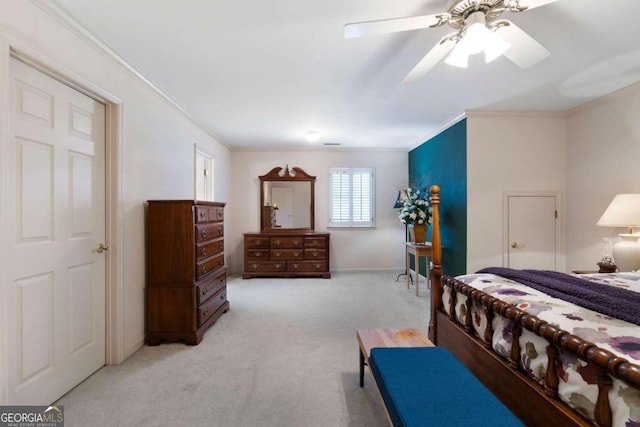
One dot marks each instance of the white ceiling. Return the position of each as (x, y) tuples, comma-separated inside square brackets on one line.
[(261, 73)]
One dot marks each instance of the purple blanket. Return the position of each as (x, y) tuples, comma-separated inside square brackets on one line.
[(615, 302)]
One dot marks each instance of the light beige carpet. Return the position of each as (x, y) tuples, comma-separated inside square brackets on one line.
[(285, 355)]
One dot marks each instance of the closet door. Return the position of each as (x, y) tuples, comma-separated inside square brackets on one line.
[(55, 216), (532, 232)]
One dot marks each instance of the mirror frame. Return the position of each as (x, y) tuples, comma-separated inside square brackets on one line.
[(298, 175)]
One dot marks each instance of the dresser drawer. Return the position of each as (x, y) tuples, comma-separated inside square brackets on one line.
[(208, 287), (286, 242), (286, 254), (205, 250), (208, 309), (209, 265), (257, 254), (202, 214), (266, 266), (307, 266), (215, 214), (209, 231), (257, 242), (315, 242), (209, 214), (317, 254)]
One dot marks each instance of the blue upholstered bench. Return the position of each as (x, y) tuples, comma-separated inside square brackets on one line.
[(429, 386)]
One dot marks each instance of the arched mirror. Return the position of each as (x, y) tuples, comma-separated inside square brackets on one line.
[(286, 200)]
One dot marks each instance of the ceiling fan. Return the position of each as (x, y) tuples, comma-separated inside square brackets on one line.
[(477, 30)]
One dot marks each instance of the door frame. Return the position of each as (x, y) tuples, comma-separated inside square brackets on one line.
[(198, 149), (560, 258), (17, 45)]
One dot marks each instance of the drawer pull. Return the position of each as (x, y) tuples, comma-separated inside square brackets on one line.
[(204, 270), (220, 230), (221, 245), (318, 266), (203, 233), (257, 254), (205, 311), (278, 265), (294, 266), (257, 242), (296, 254), (277, 242), (278, 253), (203, 251), (222, 296), (314, 254), (221, 262), (205, 291), (219, 214), (296, 243), (202, 214), (255, 266)]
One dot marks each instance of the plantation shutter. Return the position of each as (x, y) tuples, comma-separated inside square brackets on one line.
[(351, 197)]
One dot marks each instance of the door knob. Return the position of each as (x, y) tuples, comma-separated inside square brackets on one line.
[(515, 245), (101, 248)]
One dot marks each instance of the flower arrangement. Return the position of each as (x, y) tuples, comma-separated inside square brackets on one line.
[(416, 208), (607, 265)]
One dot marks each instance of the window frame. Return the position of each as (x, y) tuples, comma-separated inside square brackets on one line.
[(350, 222)]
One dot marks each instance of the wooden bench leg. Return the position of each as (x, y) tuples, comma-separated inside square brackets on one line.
[(361, 369)]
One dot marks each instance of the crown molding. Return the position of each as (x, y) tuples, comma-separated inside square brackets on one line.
[(446, 125), (319, 148), (517, 113)]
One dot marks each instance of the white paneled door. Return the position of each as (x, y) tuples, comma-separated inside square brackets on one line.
[(55, 210), (532, 234)]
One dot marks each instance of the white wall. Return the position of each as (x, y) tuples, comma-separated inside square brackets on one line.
[(157, 145), (507, 152), (603, 156), (351, 249)]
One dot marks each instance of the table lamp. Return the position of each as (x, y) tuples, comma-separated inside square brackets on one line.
[(624, 211)]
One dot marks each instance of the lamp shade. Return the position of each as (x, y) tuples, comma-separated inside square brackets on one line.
[(399, 200), (623, 211)]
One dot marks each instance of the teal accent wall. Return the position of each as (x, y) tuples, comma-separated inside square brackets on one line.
[(442, 160)]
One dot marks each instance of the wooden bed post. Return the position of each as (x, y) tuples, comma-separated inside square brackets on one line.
[(436, 270)]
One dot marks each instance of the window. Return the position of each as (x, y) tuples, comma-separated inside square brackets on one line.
[(351, 197)]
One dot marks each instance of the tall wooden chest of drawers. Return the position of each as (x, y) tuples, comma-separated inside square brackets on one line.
[(186, 276), (286, 254)]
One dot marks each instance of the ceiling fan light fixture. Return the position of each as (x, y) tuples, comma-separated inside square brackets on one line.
[(477, 38), (459, 56), (477, 34), (495, 47), (312, 136)]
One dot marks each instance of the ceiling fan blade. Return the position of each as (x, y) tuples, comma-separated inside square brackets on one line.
[(370, 28), (525, 51), (434, 56), (530, 4)]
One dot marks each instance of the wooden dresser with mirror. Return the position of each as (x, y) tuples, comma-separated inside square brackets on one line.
[(287, 244)]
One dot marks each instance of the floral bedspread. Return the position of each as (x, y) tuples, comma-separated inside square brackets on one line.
[(577, 379)]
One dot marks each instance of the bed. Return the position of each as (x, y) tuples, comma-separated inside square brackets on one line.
[(516, 340)]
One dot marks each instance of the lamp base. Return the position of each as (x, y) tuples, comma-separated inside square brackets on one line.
[(626, 253)]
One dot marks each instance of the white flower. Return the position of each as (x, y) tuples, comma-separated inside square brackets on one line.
[(416, 208)]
